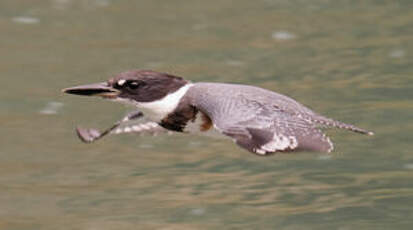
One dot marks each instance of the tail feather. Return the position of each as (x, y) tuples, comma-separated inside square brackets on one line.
[(350, 127), (341, 125)]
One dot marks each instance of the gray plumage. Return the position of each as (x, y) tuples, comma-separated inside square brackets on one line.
[(259, 120), (263, 121)]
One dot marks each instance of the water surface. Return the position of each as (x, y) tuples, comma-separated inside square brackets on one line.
[(349, 60)]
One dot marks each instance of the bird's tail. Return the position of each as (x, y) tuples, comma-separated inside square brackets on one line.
[(341, 125)]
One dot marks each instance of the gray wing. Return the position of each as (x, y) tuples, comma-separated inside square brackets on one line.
[(259, 120), (132, 122), (279, 132), (270, 130), (141, 127)]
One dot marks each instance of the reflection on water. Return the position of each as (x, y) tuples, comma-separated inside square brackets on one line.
[(348, 60), (51, 108), (25, 20), (283, 35)]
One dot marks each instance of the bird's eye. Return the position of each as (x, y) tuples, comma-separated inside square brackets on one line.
[(133, 84)]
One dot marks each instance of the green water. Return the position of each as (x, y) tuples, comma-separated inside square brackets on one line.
[(350, 60)]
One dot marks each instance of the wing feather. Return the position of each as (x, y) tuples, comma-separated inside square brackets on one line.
[(282, 133), (141, 127), (260, 121)]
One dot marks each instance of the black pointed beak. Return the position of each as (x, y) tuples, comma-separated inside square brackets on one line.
[(98, 89)]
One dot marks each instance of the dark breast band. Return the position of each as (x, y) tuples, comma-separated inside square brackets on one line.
[(179, 119)]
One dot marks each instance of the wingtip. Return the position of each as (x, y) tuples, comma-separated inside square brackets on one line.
[(370, 133), (87, 135)]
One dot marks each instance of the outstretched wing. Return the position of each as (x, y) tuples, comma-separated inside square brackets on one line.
[(132, 122), (259, 120), (274, 131), (141, 127)]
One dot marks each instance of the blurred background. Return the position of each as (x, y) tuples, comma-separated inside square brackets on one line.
[(349, 60)]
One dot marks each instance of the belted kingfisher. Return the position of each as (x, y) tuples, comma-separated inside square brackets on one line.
[(258, 120)]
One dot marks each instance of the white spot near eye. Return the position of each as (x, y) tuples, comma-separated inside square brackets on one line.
[(121, 82)]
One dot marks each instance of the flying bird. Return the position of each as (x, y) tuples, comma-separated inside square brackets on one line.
[(259, 120)]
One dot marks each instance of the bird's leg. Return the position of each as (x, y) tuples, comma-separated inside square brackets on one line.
[(91, 135)]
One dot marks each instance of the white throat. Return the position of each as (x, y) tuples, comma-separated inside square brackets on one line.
[(157, 110)]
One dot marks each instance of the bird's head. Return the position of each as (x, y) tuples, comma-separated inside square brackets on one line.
[(136, 86), (155, 94)]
